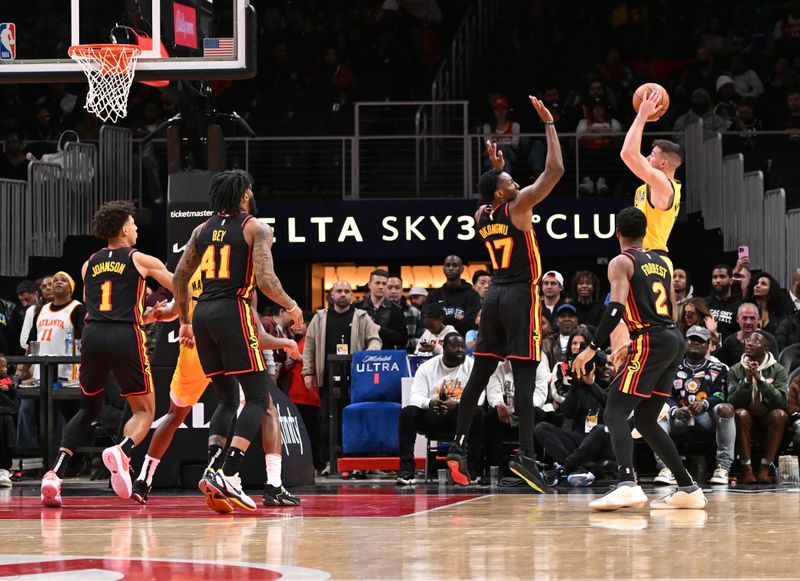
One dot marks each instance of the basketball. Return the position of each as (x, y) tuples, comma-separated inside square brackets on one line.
[(643, 91)]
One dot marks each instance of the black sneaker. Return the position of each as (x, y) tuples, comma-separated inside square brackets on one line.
[(526, 469), (405, 477), (457, 462), (140, 491), (554, 476), (279, 496)]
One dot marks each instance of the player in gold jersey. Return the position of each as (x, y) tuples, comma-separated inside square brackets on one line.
[(189, 382), (659, 197)]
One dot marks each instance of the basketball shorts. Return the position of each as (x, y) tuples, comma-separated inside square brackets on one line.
[(653, 359), (189, 381), (511, 325), (226, 337), (118, 348)]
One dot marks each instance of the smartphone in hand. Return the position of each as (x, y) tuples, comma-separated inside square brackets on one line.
[(744, 252)]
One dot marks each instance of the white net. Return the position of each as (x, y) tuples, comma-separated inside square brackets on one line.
[(109, 69)]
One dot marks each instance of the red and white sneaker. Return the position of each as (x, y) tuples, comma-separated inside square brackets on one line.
[(51, 490), (120, 467)]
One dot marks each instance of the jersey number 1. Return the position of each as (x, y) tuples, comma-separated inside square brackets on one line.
[(209, 262), (105, 296), (504, 245)]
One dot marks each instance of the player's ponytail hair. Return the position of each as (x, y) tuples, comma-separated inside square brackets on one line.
[(227, 189)]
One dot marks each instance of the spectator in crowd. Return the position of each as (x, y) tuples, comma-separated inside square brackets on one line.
[(8, 431), (387, 315), (306, 400), (682, 286), (746, 81), (793, 409), (551, 97), (767, 294), (791, 122), (341, 329), (582, 408), (7, 337), (747, 318), (552, 293), (787, 30), (726, 92), (723, 303), (758, 391), (695, 312), (432, 340), (788, 332), (567, 324), (588, 305), (501, 421), (702, 74), (699, 110), (44, 126), (394, 293), (279, 325), (44, 295), (598, 152), (433, 407), (14, 162), (550, 344), (504, 132), (561, 377), (27, 295), (481, 279), (460, 301), (784, 76), (417, 296), (712, 35), (697, 403), (794, 291), (748, 124)]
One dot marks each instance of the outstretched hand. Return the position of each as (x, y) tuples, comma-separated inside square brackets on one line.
[(650, 105), (544, 112), (186, 336), (495, 155), (580, 361)]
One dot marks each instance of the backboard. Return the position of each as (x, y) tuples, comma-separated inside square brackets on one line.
[(199, 39)]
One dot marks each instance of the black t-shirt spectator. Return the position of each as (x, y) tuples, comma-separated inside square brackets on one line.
[(337, 330), (724, 312), (732, 349), (391, 320), (461, 300)]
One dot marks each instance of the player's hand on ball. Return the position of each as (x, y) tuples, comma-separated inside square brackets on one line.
[(544, 113), (186, 336), (650, 105)]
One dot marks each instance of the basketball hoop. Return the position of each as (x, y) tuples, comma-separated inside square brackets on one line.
[(109, 69)]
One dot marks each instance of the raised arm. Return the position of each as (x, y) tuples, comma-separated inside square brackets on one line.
[(531, 195), (262, 238), (661, 192)]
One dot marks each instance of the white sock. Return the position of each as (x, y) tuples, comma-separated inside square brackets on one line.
[(149, 469), (273, 462), (765, 462), (744, 462)]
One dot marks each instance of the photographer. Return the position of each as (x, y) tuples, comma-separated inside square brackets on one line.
[(582, 407), (561, 379)]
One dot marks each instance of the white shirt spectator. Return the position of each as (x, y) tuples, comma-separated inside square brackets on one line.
[(436, 339), (27, 325), (502, 383), (434, 376), (748, 84)]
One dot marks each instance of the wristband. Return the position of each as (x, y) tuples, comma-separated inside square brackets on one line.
[(593, 346), (293, 307), (548, 123)]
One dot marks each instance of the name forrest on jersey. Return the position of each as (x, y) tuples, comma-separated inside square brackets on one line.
[(653, 268), (108, 266), (493, 229)]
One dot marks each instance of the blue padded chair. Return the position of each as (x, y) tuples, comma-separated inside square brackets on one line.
[(370, 422)]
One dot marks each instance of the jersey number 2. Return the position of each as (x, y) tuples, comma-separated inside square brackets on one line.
[(504, 245), (209, 262), (661, 300)]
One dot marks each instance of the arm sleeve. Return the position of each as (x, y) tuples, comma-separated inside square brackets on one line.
[(27, 326), (78, 318)]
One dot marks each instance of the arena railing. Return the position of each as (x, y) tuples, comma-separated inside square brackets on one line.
[(15, 228)]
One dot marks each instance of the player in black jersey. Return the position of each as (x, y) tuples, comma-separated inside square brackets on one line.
[(511, 314), (641, 292), (232, 250), (113, 341)]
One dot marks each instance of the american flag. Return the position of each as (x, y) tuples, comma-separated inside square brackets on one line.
[(218, 47)]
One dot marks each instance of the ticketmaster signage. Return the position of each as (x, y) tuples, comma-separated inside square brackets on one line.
[(427, 228)]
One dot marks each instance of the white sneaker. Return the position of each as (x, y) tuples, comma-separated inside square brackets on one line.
[(681, 499), (120, 467), (665, 477), (720, 476), (5, 479), (620, 497), (602, 186), (586, 186), (229, 487)]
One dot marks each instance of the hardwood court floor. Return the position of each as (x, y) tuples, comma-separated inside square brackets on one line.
[(379, 532)]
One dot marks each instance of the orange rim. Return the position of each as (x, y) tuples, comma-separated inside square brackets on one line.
[(114, 59)]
